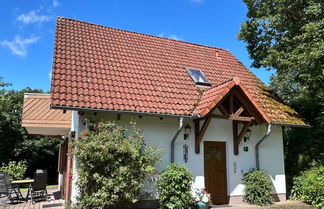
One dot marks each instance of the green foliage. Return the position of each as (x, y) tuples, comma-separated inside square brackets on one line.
[(16, 144), (288, 36), (3, 84), (258, 187), (16, 171), (301, 147), (113, 165), (39, 152), (309, 186), (174, 186), (11, 132)]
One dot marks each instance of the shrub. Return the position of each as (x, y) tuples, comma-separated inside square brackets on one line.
[(174, 187), (258, 187), (15, 170), (112, 166), (309, 186)]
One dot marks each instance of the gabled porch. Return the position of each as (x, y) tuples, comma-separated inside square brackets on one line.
[(230, 100)]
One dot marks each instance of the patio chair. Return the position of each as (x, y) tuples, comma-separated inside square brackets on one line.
[(41, 171), (12, 192), (38, 188)]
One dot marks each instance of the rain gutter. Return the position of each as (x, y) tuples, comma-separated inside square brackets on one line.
[(175, 137), (257, 156)]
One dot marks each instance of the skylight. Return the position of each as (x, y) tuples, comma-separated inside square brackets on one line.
[(198, 77)]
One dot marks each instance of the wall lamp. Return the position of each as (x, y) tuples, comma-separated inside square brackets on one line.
[(187, 131), (247, 135)]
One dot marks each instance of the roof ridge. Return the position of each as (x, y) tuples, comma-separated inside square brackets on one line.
[(227, 81), (143, 34)]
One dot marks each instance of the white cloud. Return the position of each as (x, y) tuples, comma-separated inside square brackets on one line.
[(56, 4), (33, 17), (174, 37), (161, 35), (171, 36), (19, 45)]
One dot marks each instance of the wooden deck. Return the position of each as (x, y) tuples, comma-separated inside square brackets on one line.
[(51, 204)]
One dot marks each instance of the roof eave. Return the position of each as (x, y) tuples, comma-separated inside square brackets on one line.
[(291, 125), (121, 112)]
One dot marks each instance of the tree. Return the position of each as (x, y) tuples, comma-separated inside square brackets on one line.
[(113, 164), (3, 84), (15, 143), (288, 36)]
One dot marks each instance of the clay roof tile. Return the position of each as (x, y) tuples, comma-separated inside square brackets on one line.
[(139, 70)]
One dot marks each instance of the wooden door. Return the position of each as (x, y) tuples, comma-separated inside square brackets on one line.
[(215, 171)]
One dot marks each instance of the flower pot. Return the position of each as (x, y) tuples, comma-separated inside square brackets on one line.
[(201, 205)]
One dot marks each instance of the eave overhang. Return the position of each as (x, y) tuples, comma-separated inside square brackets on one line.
[(39, 118)]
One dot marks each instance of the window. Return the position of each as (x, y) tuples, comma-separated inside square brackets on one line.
[(198, 77)]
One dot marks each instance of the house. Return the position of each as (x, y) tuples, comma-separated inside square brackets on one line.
[(197, 103)]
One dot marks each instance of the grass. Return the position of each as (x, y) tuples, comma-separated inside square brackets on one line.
[(48, 187)]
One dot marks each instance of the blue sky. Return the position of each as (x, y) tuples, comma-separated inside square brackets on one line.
[(28, 27)]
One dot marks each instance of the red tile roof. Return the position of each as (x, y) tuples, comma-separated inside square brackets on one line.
[(104, 68)]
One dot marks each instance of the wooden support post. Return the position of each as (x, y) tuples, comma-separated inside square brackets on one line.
[(201, 134), (235, 135), (231, 104), (197, 128), (238, 138)]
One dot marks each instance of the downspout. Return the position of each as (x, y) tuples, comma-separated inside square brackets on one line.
[(175, 137), (257, 159)]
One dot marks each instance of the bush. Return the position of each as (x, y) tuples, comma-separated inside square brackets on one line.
[(258, 187), (309, 186), (174, 187), (15, 170), (111, 166)]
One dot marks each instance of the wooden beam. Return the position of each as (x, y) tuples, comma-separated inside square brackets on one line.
[(223, 110), (241, 118), (238, 112), (232, 117), (248, 107), (239, 138), (231, 103), (201, 134)]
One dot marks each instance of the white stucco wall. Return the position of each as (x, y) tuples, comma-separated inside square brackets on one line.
[(77, 127), (160, 132)]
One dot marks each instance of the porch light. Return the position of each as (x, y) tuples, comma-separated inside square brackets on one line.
[(187, 132), (247, 135)]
